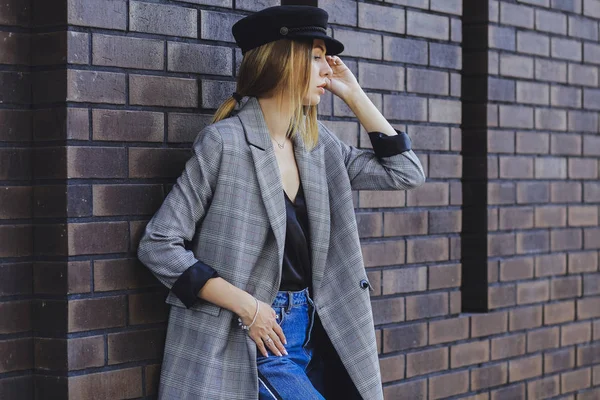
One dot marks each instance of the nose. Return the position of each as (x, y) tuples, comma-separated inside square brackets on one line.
[(326, 71)]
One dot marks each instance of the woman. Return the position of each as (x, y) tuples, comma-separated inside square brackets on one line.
[(257, 241)]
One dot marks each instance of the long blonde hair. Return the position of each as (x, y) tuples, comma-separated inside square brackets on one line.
[(281, 66)]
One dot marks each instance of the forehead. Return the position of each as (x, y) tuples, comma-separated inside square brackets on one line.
[(319, 44)]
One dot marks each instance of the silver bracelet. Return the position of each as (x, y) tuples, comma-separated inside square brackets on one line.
[(247, 327)]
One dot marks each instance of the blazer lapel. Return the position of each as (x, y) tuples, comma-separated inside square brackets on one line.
[(311, 167)]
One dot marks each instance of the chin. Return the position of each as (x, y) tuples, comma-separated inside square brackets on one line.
[(312, 100)]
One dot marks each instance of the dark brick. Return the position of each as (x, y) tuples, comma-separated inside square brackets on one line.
[(110, 237), (443, 386), (445, 56), (404, 280), (525, 317), (127, 52), (100, 313), (121, 274), (15, 279), (489, 324), (96, 162), (469, 353), (147, 308), (217, 25), (163, 19), (16, 202), (216, 92), (444, 276), (508, 346), (96, 87), (404, 50), (448, 330), (15, 164), (15, 317), (544, 388), (15, 125), (16, 355), (16, 87), (135, 346), (16, 240), (542, 339), (122, 383), (126, 199), (575, 380), (110, 15), (17, 386), (408, 390), (201, 59), (118, 125), (163, 91), (185, 127)]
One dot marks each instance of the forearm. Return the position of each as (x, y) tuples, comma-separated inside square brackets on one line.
[(368, 115), (222, 293)]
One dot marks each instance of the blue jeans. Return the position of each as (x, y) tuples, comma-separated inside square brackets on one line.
[(297, 375)]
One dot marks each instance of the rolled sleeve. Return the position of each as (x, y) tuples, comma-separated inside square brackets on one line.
[(387, 146), (187, 286)]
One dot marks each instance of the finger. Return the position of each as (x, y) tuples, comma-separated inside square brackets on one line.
[(271, 345), (280, 347), (277, 329), (260, 345)]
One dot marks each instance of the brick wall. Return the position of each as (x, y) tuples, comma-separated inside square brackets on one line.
[(101, 99)]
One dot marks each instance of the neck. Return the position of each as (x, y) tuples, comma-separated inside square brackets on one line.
[(277, 116)]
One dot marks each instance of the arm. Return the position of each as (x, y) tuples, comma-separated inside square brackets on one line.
[(391, 164), (162, 248)]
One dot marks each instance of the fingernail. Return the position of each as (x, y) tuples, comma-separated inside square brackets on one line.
[(285, 352), (279, 354)]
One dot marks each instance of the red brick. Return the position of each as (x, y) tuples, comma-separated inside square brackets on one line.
[(508, 346), (513, 392), (404, 337), (369, 224), (445, 221), (516, 269), (502, 296), (489, 376), (109, 237), (551, 264), (388, 310), (427, 249), (516, 218), (448, 330), (575, 380), (489, 324), (556, 313), (430, 194), (426, 305), (544, 388), (407, 391), (516, 167), (404, 280), (533, 292), (444, 276), (444, 386), (392, 368), (501, 244), (426, 361), (583, 262), (550, 216), (583, 215), (588, 308), (559, 360), (532, 241), (566, 287), (525, 368), (566, 239), (501, 193), (525, 318), (542, 339), (469, 353), (404, 223), (575, 333), (380, 199)]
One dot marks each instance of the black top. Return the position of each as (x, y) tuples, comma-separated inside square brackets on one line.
[(296, 273), (296, 270)]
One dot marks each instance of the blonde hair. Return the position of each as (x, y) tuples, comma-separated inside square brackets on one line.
[(282, 66)]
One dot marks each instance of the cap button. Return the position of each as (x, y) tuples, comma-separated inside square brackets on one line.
[(283, 30)]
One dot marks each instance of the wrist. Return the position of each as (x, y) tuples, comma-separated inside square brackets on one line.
[(246, 307), (355, 97)]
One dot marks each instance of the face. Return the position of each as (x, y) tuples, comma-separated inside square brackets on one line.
[(319, 75)]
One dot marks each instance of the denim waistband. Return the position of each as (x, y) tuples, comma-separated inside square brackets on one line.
[(284, 298)]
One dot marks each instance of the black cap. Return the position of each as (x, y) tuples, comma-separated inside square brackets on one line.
[(284, 22)]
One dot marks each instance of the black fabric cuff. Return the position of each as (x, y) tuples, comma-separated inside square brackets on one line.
[(187, 286), (387, 146)]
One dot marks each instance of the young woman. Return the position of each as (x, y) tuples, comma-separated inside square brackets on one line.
[(257, 241)]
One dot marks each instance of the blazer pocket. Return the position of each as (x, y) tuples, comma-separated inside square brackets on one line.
[(200, 305)]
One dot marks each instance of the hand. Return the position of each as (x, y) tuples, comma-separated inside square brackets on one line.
[(265, 327), (342, 83)]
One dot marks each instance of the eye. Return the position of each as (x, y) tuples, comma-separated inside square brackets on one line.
[(317, 57)]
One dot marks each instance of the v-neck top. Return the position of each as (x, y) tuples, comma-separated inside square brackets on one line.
[(296, 271)]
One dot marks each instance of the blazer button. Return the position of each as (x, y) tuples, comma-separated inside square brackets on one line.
[(364, 284)]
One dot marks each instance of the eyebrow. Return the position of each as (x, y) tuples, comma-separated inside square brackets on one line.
[(318, 46)]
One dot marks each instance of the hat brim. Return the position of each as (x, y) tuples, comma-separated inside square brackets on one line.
[(334, 47)]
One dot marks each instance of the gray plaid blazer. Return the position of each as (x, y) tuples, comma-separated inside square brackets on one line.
[(227, 209)]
